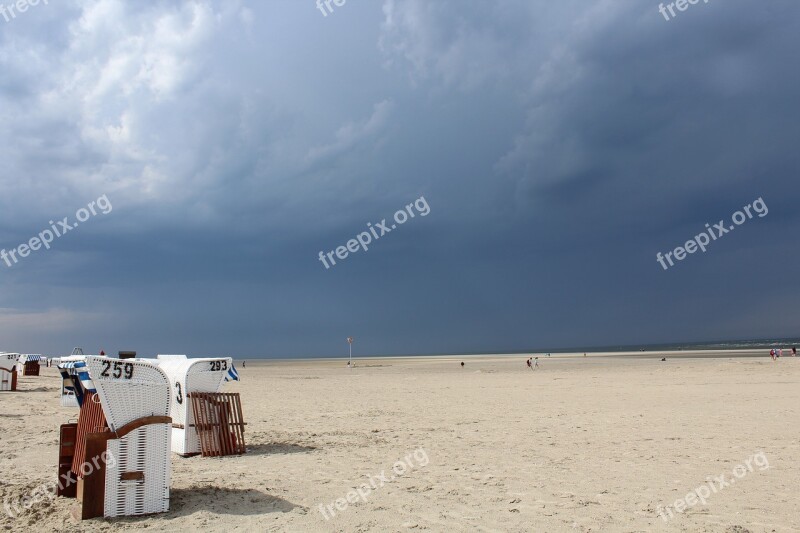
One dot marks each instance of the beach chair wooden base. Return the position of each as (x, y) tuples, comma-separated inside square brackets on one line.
[(219, 423), (66, 453)]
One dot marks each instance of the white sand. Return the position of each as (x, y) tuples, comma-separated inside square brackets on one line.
[(583, 444)]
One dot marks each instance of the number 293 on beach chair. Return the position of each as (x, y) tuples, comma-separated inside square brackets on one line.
[(121, 443)]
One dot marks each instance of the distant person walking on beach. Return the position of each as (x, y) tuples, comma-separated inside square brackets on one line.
[(244, 364), (536, 363), (794, 351), (528, 362), (780, 352), (772, 353)]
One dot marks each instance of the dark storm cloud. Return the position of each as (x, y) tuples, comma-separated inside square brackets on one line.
[(560, 147)]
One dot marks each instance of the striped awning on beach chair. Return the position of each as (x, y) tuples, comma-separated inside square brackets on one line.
[(83, 383), (233, 375), (31, 358)]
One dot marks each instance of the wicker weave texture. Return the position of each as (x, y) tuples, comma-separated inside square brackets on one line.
[(143, 451), (6, 379), (129, 389), (7, 363)]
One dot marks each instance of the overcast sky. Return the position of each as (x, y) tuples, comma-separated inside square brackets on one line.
[(559, 146)]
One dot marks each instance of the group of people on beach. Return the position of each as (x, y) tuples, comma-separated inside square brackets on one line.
[(779, 353), (533, 363)]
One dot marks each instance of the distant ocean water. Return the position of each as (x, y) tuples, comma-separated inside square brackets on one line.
[(751, 344)]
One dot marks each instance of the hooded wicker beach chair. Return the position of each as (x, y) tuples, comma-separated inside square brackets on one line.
[(8, 373), (29, 364), (205, 420), (124, 421)]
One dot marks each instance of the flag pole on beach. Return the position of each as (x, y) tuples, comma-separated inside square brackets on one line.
[(350, 343)]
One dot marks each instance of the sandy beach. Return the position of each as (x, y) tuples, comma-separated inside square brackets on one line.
[(599, 443)]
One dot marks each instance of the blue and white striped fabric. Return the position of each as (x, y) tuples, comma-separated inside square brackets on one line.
[(31, 358), (86, 381), (77, 368), (67, 369), (233, 375), (73, 369)]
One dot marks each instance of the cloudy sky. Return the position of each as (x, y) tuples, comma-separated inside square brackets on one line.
[(559, 146)]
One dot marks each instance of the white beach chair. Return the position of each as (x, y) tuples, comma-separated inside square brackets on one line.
[(190, 376), (8, 376), (134, 395)]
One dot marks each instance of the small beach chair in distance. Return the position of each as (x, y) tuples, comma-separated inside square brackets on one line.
[(8, 371), (29, 364)]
